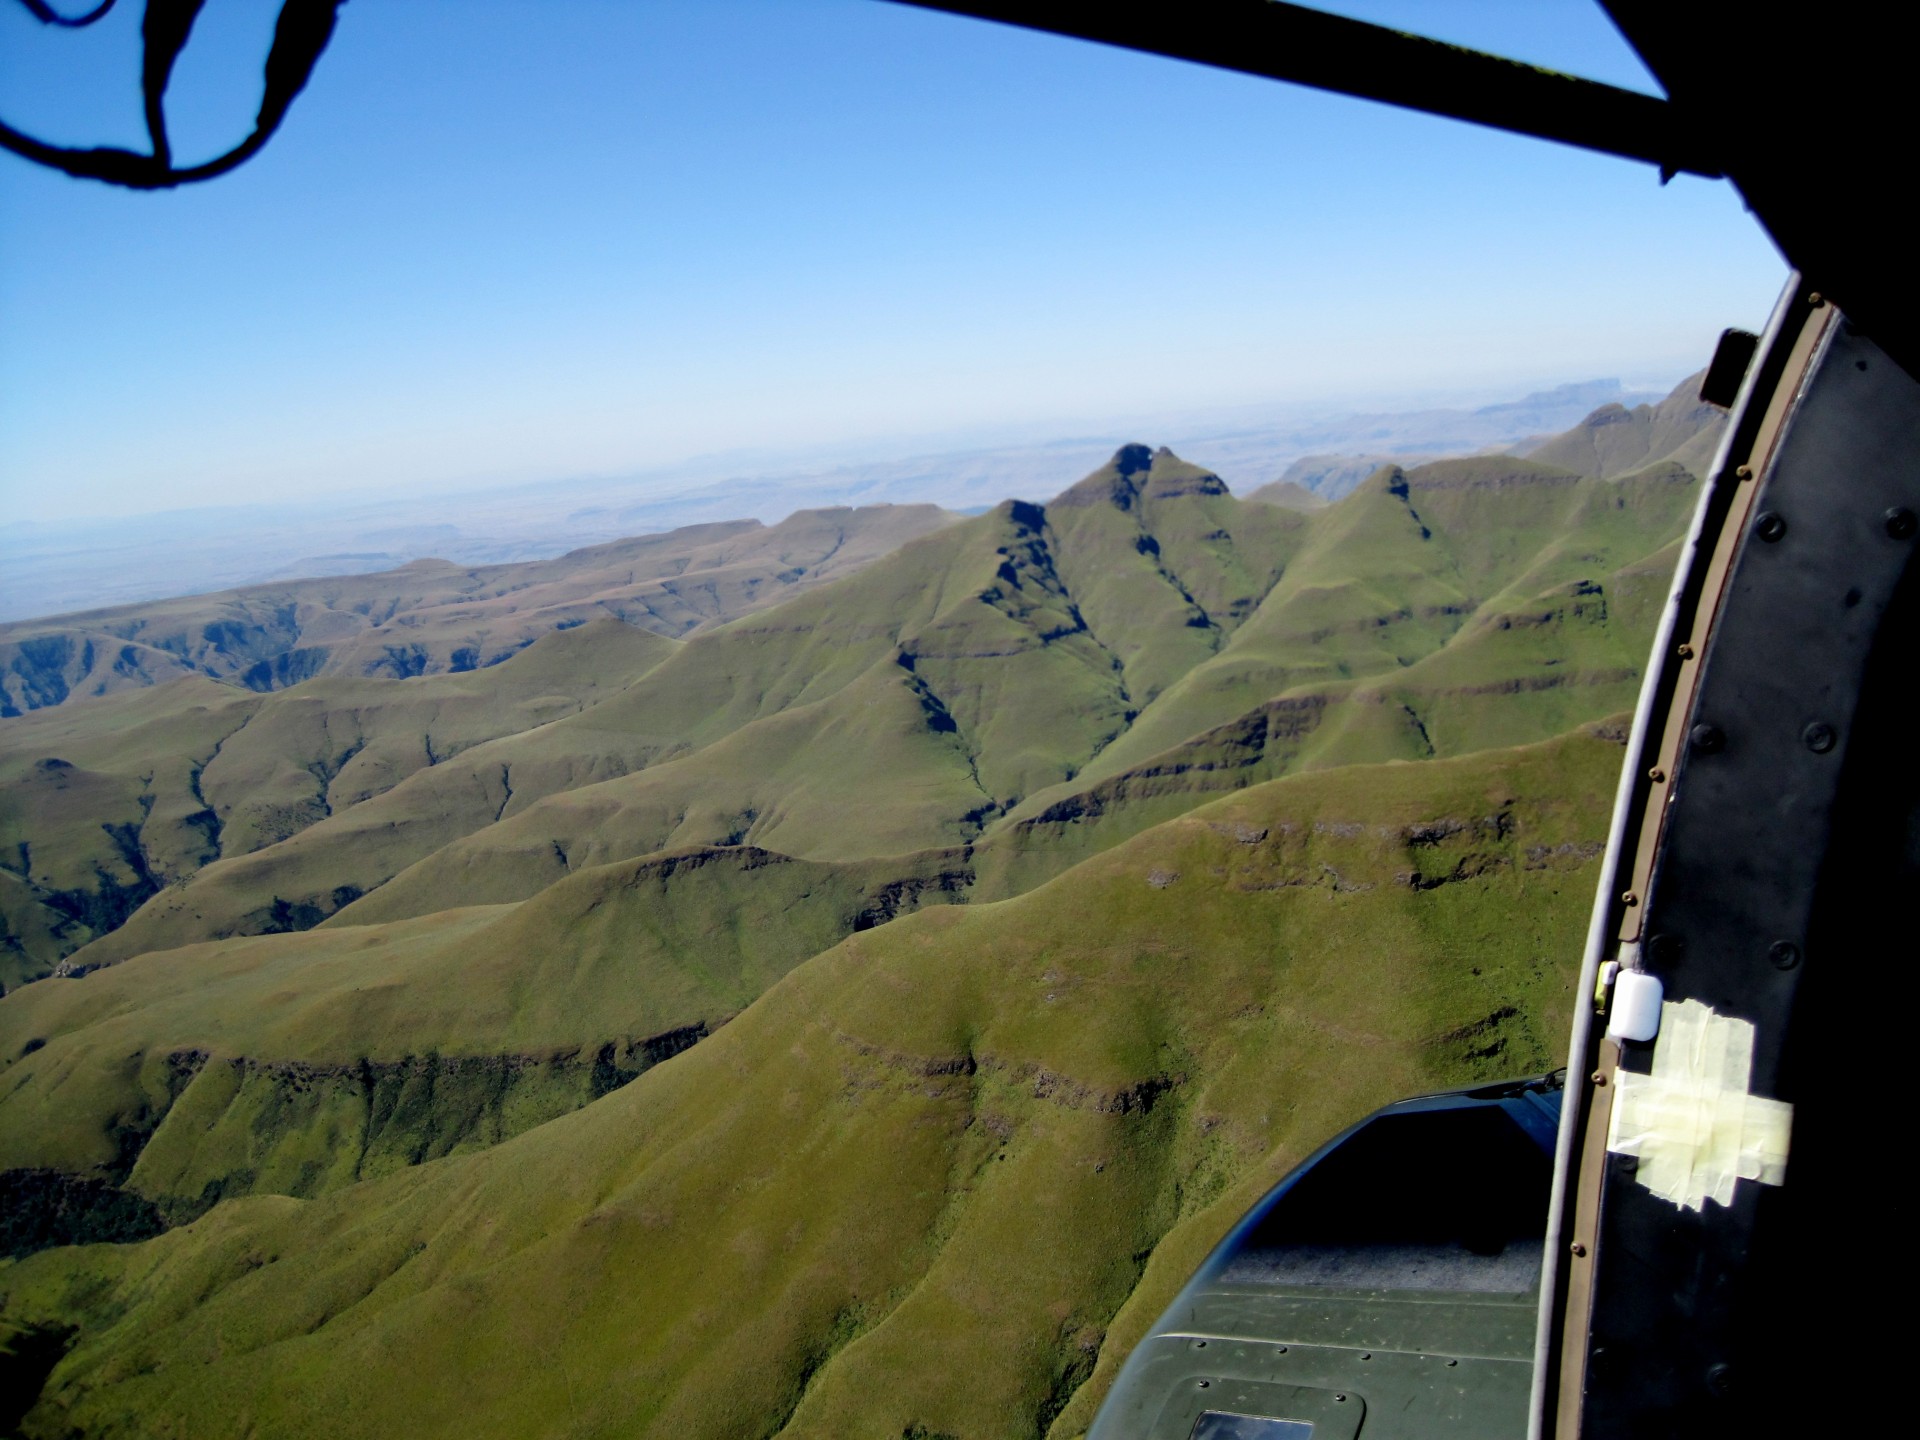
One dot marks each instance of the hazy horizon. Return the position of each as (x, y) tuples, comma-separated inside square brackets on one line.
[(498, 245), (65, 566)]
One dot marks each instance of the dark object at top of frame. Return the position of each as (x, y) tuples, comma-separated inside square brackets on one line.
[(299, 37)]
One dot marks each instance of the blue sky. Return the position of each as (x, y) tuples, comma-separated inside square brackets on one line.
[(504, 240)]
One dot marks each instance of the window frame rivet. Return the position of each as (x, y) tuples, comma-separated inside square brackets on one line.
[(1819, 737), (1784, 954), (1900, 523), (1771, 527)]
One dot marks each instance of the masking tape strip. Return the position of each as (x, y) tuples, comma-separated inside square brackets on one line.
[(1691, 1123)]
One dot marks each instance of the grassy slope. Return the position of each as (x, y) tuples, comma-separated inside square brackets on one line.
[(1404, 568), (1005, 666), (337, 740), (99, 806), (997, 1135), (433, 616), (242, 1065), (897, 710), (1617, 441), (103, 802)]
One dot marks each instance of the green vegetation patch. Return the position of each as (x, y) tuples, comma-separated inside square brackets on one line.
[(992, 1134)]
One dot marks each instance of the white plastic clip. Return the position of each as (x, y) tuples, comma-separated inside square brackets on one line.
[(1636, 1006)]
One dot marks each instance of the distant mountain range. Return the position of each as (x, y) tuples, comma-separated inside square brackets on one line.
[(59, 568), (434, 617), (690, 1023)]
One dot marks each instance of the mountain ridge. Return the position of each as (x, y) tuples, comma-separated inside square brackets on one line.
[(974, 677)]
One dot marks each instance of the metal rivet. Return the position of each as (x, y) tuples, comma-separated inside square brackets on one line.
[(1657, 775), (1629, 898), (1720, 1378), (1784, 954), (1205, 1383), (1599, 1077), (1685, 652), (1745, 472), (1341, 1398), (1771, 527), (1815, 300), (1578, 1249), (1819, 737), (1199, 1344), (1707, 739), (1901, 523)]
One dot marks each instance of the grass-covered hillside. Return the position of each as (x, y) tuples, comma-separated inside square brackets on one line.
[(690, 1036), (1142, 639), (939, 1175)]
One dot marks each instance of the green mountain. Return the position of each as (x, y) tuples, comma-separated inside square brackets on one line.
[(691, 1035), (105, 802), (1615, 440), (997, 1134), (1143, 634)]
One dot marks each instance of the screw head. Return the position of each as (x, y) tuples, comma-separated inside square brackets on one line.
[(1578, 1249), (1707, 739), (1819, 737), (1771, 527), (1656, 775), (1685, 652), (1745, 472), (1901, 523), (1784, 954)]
